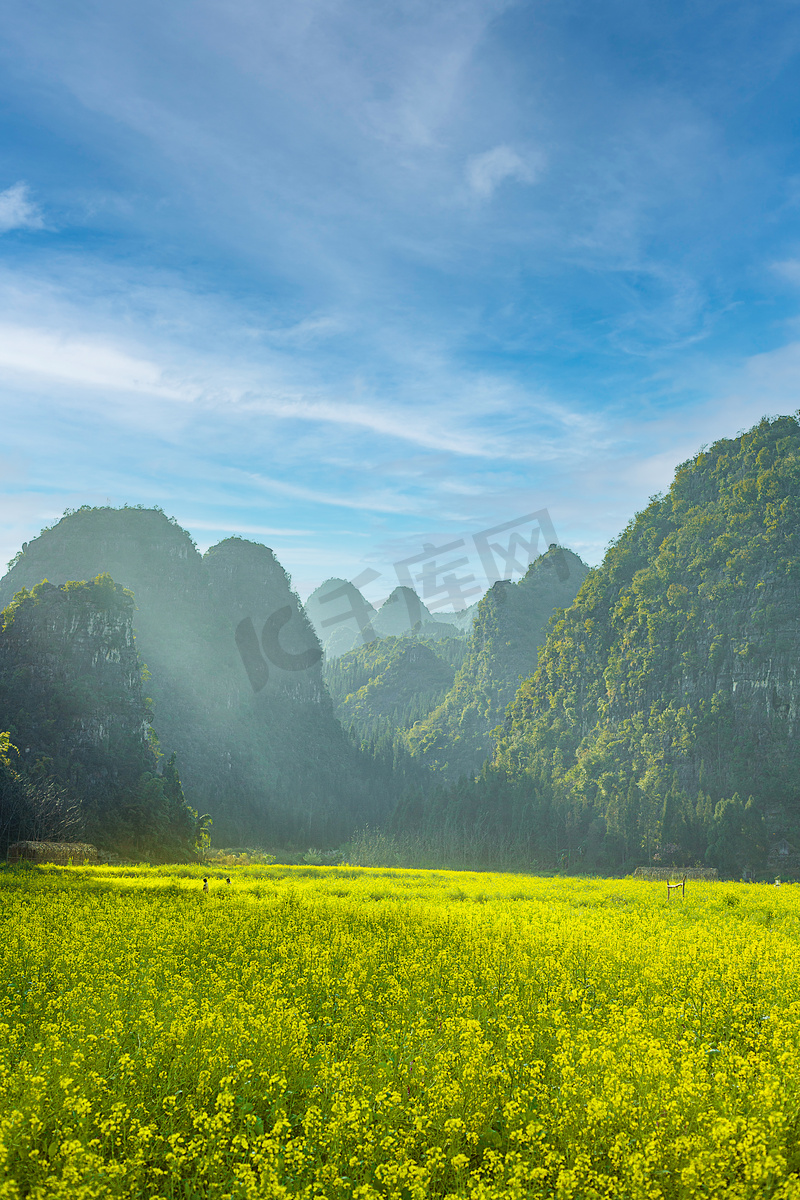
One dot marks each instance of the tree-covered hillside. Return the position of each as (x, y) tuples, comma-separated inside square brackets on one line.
[(389, 684), (80, 757), (669, 693), (508, 630), (654, 717)]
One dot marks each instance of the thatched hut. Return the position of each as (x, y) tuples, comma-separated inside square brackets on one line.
[(59, 853)]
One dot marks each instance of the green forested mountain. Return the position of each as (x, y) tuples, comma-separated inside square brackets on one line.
[(80, 757), (662, 719), (461, 620), (390, 683), (655, 717), (404, 613), (249, 588), (235, 675), (399, 613), (508, 630)]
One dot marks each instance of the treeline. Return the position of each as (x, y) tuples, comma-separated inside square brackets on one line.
[(495, 821)]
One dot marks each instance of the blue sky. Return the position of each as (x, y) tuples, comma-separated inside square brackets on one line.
[(349, 278)]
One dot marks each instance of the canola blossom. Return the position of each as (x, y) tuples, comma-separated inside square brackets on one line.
[(344, 1032)]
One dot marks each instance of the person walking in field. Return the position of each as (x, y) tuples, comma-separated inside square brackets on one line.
[(205, 885)]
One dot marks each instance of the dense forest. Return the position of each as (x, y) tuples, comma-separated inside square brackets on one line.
[(643, 711), (391, 683)]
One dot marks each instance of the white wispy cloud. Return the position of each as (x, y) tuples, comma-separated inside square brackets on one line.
[(76, 360), (440, 408), (415, 425), (384, 500), (307, 331), (17, 210), (485, 172)]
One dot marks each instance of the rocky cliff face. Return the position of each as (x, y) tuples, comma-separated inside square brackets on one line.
[(509, 628), (235, 668), (71, 682)]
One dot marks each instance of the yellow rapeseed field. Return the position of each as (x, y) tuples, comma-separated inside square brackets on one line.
[(338, 1032)]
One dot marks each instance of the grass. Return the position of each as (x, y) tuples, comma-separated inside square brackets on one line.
[(344, 1032)]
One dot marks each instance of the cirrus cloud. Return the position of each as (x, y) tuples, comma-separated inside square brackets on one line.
[(485, 172), (17, 210)]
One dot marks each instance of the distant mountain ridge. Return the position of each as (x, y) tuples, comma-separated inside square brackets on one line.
[(508, 630), (344, 619), (341, 616), (403, 613)]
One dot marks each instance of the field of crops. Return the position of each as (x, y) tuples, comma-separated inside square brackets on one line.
[(339, 1032)]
